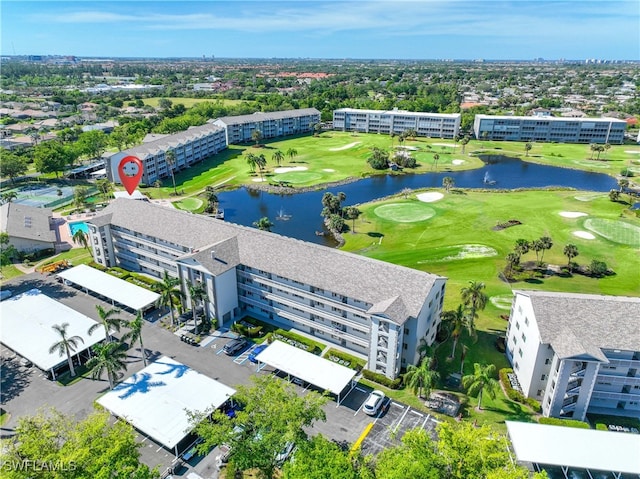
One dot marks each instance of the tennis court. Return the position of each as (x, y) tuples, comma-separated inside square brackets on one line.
[(42, 195)]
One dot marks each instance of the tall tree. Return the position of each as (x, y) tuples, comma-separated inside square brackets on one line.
[(105, 187), (623, 183), (319, 458), (263, 224), (7, 250), (168, 293), (547, 244), (251, 161), (448, 182), (273, 415), (12, 165), (170, 158), (474, 297), (458, 321), (570, 251), (81, 238), (109, 358), (108, 320), (277, 157), (292, 153), (135, 334), (198, 296), (67, 344), (527, 148), (52, 157), (352, 213), (416, 457), (93, 447), (464, 142), (482, 380), (212, 201), (8, 197), (436, 158), (421, 377), (256, 135), (92, 143), (521, 247), (261, 163), (538, 247)]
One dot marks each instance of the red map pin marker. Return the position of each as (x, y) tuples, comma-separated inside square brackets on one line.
[(130, 170)]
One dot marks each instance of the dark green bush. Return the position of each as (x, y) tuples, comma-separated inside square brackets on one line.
[(533, 404), (297, 340), (511, 393), (97, 266), (352, 361), (382, 379)]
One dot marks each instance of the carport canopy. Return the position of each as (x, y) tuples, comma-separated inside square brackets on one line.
[(27, 321), (544, 444), (313, 369), (156, 399), (109, 286)]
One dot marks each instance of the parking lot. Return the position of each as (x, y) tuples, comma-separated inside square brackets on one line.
[(25, 390)]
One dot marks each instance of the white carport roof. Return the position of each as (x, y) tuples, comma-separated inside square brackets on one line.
[(26, 323), (572, 447), (111, 287), (155, 400), (313, 369)]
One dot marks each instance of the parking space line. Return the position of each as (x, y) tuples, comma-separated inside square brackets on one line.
[(395, 429), (426, 419)]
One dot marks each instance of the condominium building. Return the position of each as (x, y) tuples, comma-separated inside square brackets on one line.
[(272, 125), (373, 309), (189, 147), (551, 129), (431, 125), (576, 353)]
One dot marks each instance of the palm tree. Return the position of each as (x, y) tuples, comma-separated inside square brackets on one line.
[(212, 202), (537, 246), (256, 135), (292, 153), (261, 162), (447, 182), (251, 161), (108, 320), (168, 292), (513, 259), (352, 213), (278, 157), (547, 243), (570, 251), (593, 147), (421, 377), (8, 197), (197, 295), (81, 238), (464, 143), (474, 297), (170, 158), (482, 379), (67, 344), (458, 321), (521, 247), (263, 224), (614, 195), (109, 357), (135, 334), (527, 148), (436, 157), (622, 184)]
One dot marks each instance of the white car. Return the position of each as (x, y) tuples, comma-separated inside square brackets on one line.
[(374, 403), (285, 453)]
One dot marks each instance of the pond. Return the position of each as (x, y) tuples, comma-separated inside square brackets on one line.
[(298, 215)]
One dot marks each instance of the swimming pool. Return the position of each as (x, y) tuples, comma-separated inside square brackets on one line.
[(78, 226)]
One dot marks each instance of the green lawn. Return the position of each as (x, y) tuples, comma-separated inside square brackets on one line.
[(75, 255), (9, 271)]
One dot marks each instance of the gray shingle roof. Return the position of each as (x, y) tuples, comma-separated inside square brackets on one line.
[(583, 324), (272, 115), (27, 222), (366, 279)]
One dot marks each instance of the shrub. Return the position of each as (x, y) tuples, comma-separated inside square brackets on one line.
[(511, 393), (381, 379), (97, 266), (554, 421), (598, 268), (378, 163), (533, 404), (296, 340), (352, 361), (601, 427), (626, 172)]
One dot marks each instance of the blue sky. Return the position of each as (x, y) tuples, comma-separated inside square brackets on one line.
[(420, 29)]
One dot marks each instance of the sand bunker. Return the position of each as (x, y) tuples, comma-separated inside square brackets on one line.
[(329, 170), (412, 148), (572, 214), (633, 152), (259, 180), (430, 197), (583, 235), (445, 144), (346, 147), (287, 169), (457, 162)]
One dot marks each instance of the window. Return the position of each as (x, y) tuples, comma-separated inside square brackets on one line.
[(524, 338), (517, 325), (526, 321), (404, 346), (520, 352), (516, 366), (547, 361), (406, 330), (539, 392), (543, 377)]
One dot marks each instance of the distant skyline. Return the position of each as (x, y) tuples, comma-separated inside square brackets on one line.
[(418, 29)]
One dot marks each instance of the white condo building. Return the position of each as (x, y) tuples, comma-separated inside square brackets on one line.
[(189, 147), (577, 353), (271, 124), (430, 125), (374, 309), (549, 129)]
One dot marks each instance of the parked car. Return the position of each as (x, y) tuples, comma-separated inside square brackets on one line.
[(374, 403), (257, 350), (223, 457), (285, 453), (234, 346)]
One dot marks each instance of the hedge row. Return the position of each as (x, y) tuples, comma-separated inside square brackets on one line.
[(352, 361), (296, 340), (516, 395), (241, 329), (382, 379), (97, 266), (554, 421)]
